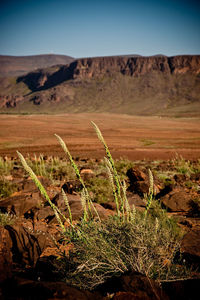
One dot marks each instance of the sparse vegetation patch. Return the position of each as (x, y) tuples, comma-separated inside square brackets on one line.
[(144, 241)]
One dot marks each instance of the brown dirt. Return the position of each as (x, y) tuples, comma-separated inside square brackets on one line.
[(133, 137)]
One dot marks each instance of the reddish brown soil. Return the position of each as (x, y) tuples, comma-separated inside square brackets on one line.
[(133, 137)]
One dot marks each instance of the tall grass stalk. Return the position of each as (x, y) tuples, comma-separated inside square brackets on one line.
[(68, 207), (84, 206), (41, 189), (151, 192), (127, 206), (89, 201), (110, 176), (115, 174)]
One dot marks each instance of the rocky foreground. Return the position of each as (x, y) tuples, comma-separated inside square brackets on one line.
[(27, 240)]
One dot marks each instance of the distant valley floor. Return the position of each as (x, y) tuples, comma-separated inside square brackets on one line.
[(132, 137)]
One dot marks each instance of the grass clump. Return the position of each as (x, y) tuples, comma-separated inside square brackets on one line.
[(6, 188), (146, 245), (53, 168), (6, 166), (146, 242), (6, 219), (186, 167)]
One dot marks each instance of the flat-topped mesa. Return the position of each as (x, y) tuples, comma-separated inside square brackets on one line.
[(185, 64), (96, 67), (134, 66)]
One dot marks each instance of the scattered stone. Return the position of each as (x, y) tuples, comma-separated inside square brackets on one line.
[(5, 254), (72, 186), (142, 287), (190, 247), (20, 288), (87, 173), (177, 200), (187, 289), (135, 174), (21, 203), (28, 241)]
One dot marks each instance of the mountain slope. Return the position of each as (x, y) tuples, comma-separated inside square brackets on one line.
[(156, 85), (19, 65)]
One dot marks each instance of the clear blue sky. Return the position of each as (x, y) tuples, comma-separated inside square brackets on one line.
[(98, 28)]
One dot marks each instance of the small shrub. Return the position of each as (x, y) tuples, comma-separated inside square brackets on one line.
[(146, 245), (100, 188), (6, 165), (6, 219), (6, 188), (147, 242)]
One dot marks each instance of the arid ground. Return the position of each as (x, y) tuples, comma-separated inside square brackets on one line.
[(133, 137)]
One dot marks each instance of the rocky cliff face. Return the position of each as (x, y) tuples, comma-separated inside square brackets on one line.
[(87, 68), (135, 66), (157, 81)]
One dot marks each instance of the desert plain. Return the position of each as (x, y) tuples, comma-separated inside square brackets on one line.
[(132, 137)]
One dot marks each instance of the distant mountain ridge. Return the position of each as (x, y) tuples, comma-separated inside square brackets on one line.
[(122, 84), (19, 65)]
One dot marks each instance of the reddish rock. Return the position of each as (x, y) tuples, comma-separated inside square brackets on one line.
[(139, 182), (29, 185), (28, 241), (5, 254), (77, 208), (177, 200), (140, 187), (186, 289), (190, 247), (72, 186), (135, 174), (135, 199), (23, 289), (142, 287), (130, 296), (21, 203)]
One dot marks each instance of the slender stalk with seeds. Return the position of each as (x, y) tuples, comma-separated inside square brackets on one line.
[(83, 202), (151, 192), (67, 205), (89, 201), (133, 213), (127, 206), (116, 177), (41, 189), (110, 175)]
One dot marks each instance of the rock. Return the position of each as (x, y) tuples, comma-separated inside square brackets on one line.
[(5, 254), (23, 289), (142, 287), (187, 289), (109, 205), (179, 178), (195, 176), (140, 187), (136, 200), (77, 208), (44, 213), (28, 240), (166, 190), (87, 173), (72, 186), (139, 182), (190, 248), (126, 296), (29, 185), (21, 203), (177, 200), (135, 174)]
